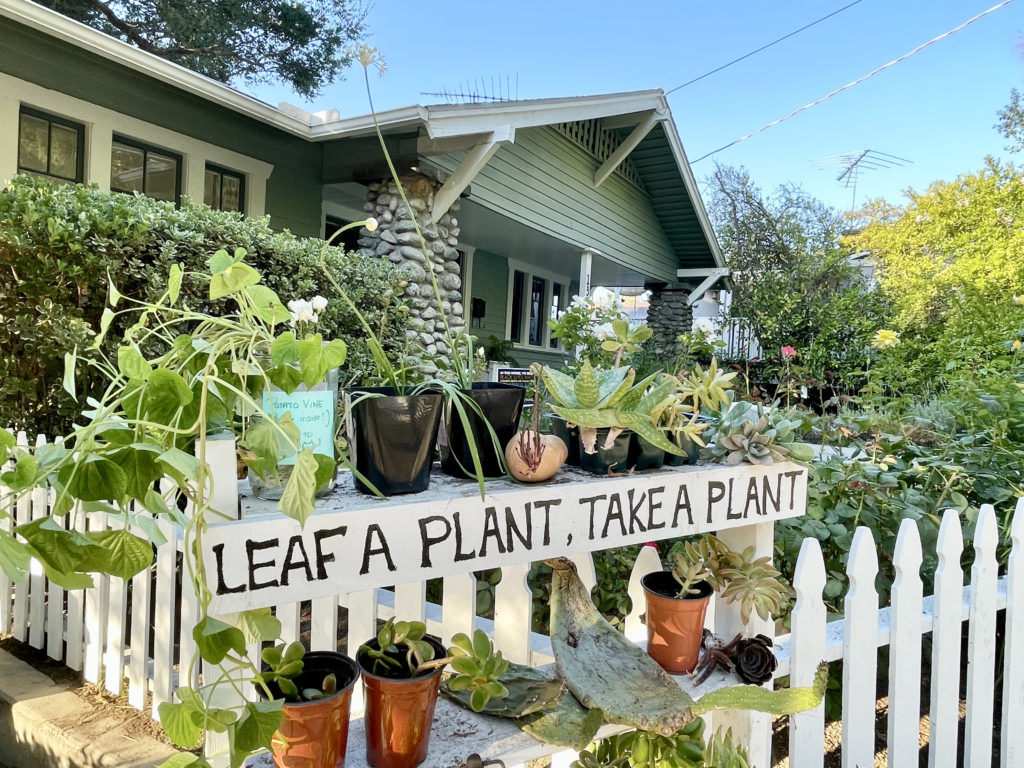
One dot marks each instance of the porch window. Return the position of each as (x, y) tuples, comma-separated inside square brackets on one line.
[(224, 190), (534, 298), (50, 146), (137, 167)]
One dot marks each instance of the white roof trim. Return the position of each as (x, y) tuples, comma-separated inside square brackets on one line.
[(61, 27)]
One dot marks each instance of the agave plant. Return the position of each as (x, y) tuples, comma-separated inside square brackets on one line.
[(610, 398)]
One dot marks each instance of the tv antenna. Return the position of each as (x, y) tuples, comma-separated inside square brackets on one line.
[(479, 89), (852, 164)]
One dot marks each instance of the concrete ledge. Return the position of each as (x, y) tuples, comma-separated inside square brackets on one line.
[(43, 724)]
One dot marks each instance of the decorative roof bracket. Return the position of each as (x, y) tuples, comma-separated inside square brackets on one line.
[(651, 118), (710, 275), (461, 178)]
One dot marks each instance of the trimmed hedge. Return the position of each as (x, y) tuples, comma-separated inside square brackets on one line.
[(59, 243)]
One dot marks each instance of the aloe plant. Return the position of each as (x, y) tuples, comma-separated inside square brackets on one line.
[(613, 399)]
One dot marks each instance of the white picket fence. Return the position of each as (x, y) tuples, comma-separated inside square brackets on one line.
[(126, 635)]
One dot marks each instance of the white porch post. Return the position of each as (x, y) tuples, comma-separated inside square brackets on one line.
[(586, 265)]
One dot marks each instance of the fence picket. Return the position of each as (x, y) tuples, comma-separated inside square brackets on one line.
[(513, 613), (323, 627), (905, 648), (188, 601), (37, 577), (138, 658), (288, 615), (74, 633), (6, 583), (113, 655), (164, 598), (981, 643), (1012, 738), (949, 584), (22, 515), (458, 605), (411, 601), (55, 603), (860, 662), (807, 729), (96, 605), (647, 561), (362, 626)]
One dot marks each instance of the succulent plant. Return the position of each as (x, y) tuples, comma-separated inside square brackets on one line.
[(610, 398), (747, 432)]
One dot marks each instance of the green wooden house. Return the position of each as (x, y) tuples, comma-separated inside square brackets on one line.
[(527, 203)]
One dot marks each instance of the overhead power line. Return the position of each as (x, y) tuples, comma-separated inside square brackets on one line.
[(859, 80), (763, 47)]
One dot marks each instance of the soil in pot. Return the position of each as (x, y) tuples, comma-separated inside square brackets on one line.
[(314, 734), (392, 439), (570, 436), (675, 625), (645, 455), (399, 712), (501, 405), (615, 458)]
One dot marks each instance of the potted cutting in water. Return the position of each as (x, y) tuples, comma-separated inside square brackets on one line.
[(677, 598), (402, 669)]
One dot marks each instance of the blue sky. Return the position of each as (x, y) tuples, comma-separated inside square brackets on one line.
[(936, 109)]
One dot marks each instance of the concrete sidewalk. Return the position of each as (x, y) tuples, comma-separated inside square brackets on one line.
[(43, 724)]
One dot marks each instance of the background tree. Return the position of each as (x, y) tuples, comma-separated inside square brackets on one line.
[(304, 44), (950, 262), (792, 280)]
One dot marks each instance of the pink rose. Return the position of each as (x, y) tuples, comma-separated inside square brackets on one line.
[(788, 352)]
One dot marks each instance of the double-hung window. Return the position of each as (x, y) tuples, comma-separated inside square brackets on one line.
[(534, 298), (137, 167), (50, 146), (224, 190)]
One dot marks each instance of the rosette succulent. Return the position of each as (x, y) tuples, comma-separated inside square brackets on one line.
[(748, 432)]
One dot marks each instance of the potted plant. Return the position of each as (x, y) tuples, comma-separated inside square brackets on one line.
[(316, 688), (533, 457), (677, 599), (745, 431), (683, 420), (401, 669)]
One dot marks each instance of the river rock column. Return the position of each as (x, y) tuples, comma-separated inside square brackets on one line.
[(669, 315), (396, 239)]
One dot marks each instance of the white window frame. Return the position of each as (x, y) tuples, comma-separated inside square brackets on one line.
[(550, 279)]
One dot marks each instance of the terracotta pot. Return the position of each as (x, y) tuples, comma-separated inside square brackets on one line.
[(314, 734), (675, 625), (399, 714)]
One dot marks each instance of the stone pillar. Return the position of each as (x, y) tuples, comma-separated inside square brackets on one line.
[(396, 238), (669, 315)]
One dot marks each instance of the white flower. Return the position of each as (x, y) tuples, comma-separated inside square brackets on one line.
[(604, 331), (704, 327), (370, 224), (579, 302), (319, 303), (480, 353)]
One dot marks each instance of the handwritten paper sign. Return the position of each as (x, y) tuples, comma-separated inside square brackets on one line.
[(270, 560)]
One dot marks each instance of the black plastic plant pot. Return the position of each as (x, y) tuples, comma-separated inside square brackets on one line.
[(570, 436), (645, 455), (615, 458), (691, 449), (392, 439), (501, 406)]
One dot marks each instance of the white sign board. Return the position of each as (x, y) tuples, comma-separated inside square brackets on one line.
[(271, 560)]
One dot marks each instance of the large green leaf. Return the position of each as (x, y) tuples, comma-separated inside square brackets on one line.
[(588, 417), (317, 358), (132, 364), (94, 478), (257, 724), (65, 555), (183, 760), (233, 279), (68, 382), (179, 724), (267, 443), (7, 440), (259, 625), (140, 463), (23, 476), (128, 553), (585, 387), (641, 424), (298, 500), (14, 557), (179, 464), (166, 393), (284, 350), (214, 639), (267, 306), (174, 282)]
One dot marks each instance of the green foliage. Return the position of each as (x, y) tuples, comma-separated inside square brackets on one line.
[(59, 246), (950, 261), (640, 749), (303, 45), (585, 326), (792, 281)]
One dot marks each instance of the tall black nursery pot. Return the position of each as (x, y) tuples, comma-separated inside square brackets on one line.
[(393, 439), (501, 405), (615, 458), (570, 436)]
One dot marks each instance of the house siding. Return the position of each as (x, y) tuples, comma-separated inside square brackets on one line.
[(490, 283), (545, 181), (293, 192)]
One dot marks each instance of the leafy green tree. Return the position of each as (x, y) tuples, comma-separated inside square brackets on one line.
[(950, 262), (792, 280), (304, 44)]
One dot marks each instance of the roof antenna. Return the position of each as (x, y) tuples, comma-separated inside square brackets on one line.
[(853, 163), (477, 91)]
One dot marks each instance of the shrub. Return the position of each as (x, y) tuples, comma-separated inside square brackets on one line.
[(59, 244)]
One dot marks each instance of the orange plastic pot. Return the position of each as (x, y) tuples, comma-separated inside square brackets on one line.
[(314, 734), (675, 625), (399, 714)]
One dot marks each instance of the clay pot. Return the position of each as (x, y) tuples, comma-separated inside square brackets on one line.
[(675, 625), (399, 713), (314, 734)]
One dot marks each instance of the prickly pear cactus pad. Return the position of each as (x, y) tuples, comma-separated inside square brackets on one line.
[(603, 669)]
